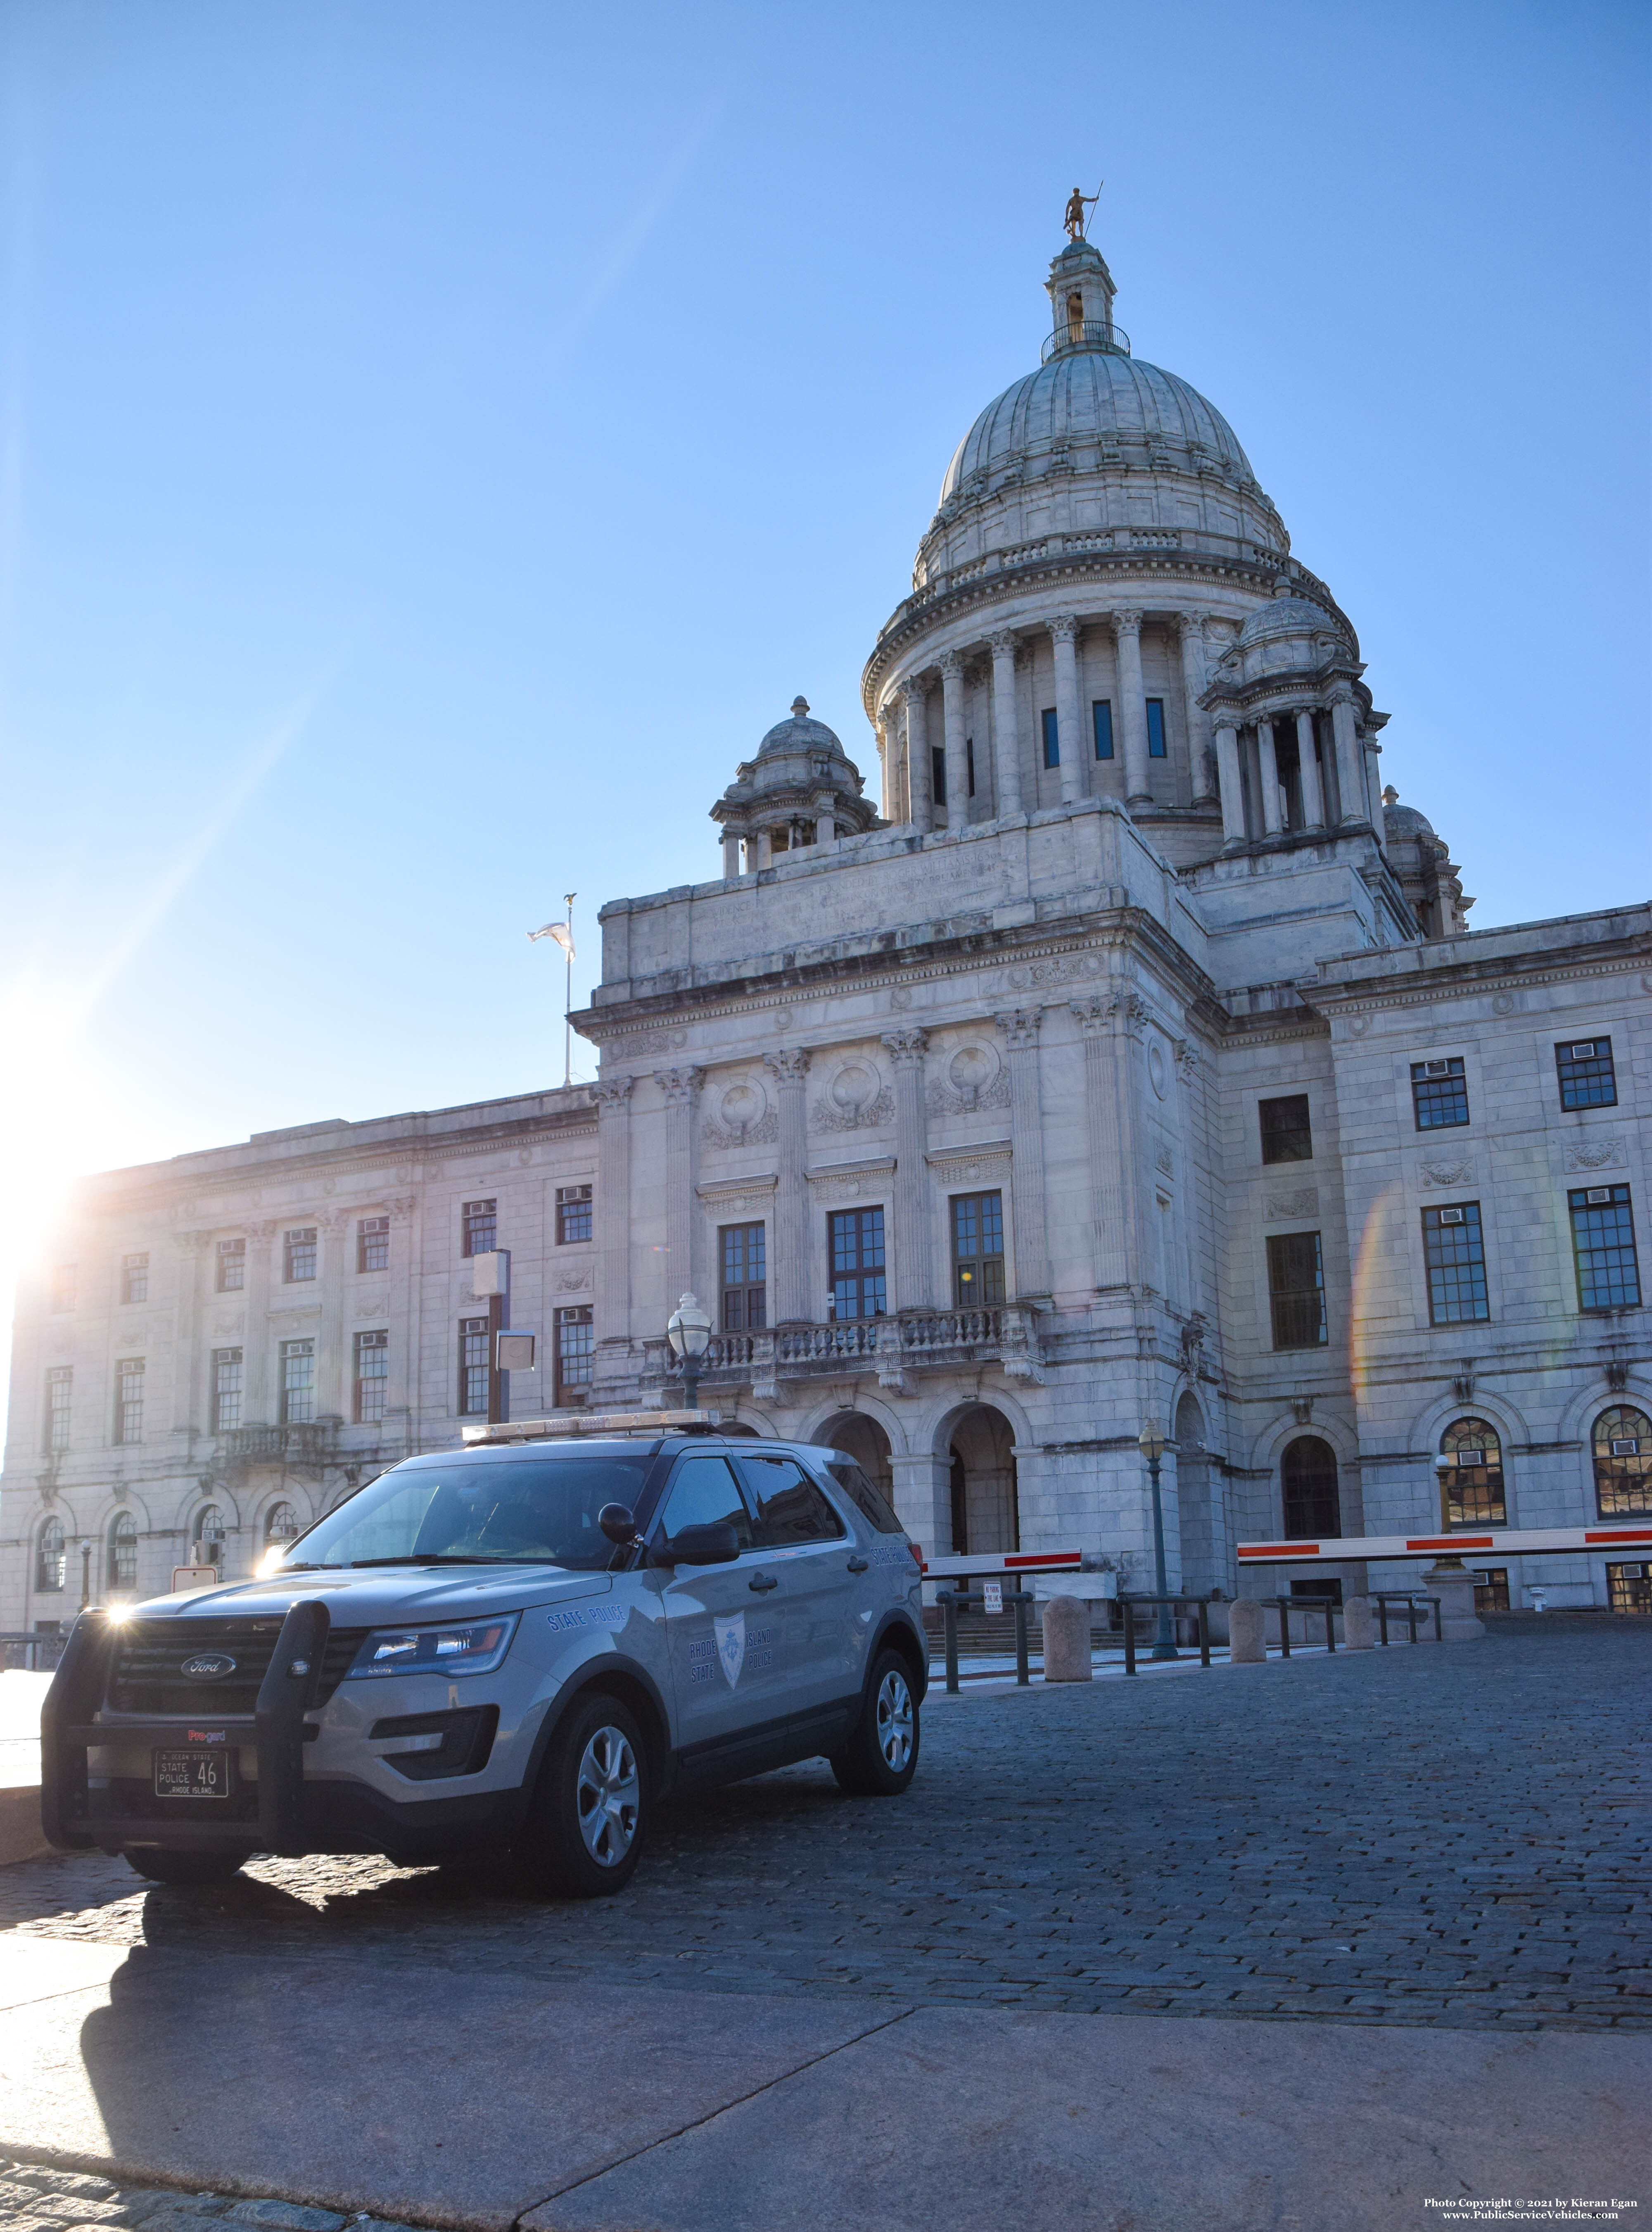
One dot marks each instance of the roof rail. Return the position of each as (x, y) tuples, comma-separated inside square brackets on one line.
[(574, 1425)]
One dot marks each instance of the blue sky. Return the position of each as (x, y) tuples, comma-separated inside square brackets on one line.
[(437, 441)]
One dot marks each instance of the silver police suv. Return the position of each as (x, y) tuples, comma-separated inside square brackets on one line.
[(523, 1644)]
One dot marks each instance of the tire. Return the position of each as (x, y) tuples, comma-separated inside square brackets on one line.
[(161, 1863), (880, 1758), (590, 1813)]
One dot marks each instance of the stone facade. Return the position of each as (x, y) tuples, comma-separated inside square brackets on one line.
[(954, 1112)]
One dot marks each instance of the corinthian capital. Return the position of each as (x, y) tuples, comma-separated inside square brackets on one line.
[(914, 689), (1064, 627), (679, 1086), (1002, 645), (1127, 620), (787, 1065), (610, 1094), (906, 1046), (1094, 1015), (1019, 1027), (951, 665)]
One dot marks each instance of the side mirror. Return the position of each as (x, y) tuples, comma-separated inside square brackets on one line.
[(617, 1524), (717, 1545)]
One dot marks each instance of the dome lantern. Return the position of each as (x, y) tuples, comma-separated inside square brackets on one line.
[(801, 792), (1081, 291)]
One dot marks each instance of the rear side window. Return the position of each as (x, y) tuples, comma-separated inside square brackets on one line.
[(790, 1507), (705, 1493), (867, 1497)]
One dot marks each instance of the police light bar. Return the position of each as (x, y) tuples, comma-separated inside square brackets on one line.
[(572, 1424), (1493, 1542)]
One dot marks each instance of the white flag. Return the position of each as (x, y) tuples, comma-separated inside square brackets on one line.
[(560, 931)]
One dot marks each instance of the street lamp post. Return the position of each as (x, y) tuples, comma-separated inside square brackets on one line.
[(688, 1332), (1442, 1470), (1151, 1444)]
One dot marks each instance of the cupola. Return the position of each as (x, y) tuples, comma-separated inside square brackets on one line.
[(800, 794)]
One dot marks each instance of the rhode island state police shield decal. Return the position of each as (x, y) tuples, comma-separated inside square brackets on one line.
[(731, 1645)]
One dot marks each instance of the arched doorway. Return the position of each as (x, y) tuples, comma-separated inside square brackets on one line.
[(863, 1439), (985, 1510), (1309, 1493), (1202, 1553)]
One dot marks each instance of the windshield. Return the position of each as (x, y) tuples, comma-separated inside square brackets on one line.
[(542, 1511)]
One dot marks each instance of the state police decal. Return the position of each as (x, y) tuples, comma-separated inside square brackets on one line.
[(731, 1645)]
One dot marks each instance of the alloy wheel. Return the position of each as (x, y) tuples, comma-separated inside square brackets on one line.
[(895, 1722), (607, 1793)]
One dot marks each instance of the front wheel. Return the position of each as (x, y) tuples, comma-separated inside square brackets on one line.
[(880, 1757), (162, 1863), (585, 1828)]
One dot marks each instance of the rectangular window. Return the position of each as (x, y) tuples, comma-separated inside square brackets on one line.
[(1454, 1253), (937, 775), (970, 763), (1102, 714), (373, 1376), (1156, 728), (226, 1390), (372, 1243), (977, 1250), (298, 1255), (297, 1382), (855, 1244), (129, 1399), (572, 1214), (1587, 1078), (1296, 1288), (1052, 733), (134, 1278), (1288, 1136), (480, 1227), (473, 1367), (575, 1341), (742, 1252), (59, 1397), (1491, 1588), (1439, 1093), (232, 1266), (63, 1289), (1629, 1588), (1602, 1241)]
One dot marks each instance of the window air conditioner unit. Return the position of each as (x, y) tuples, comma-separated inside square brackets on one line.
[(1451, 1216), (1471, 1456), (1584, 1051), (1436, 1069), (1598, 1193), (1632, 1572), (1628, 1449)]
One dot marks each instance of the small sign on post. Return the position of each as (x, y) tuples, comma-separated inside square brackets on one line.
[(195, 1577), (994, 1593)]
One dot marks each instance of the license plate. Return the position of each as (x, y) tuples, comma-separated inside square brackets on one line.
[(191, 1774)]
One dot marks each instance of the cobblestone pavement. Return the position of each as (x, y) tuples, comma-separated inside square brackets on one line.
[(1453, 1837), (35, 2198)]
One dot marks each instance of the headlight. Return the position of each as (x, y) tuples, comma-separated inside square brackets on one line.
[(473, 1647)]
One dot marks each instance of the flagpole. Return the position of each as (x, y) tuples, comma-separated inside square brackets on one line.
[(568, 899)]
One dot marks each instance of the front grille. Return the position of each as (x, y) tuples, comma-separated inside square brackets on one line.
[(146, 1675)]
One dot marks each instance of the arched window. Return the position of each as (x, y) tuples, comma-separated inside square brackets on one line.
[(123, 1552), (1075, 317), (51, 1556), (208, 1533), (281, 1526), (1474, 1484), (1622, 1442), (1308, 1476)]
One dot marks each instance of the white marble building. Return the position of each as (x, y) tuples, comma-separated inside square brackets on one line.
[(1133, 1061)]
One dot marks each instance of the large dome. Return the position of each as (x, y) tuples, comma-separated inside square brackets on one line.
[(1092, 398)]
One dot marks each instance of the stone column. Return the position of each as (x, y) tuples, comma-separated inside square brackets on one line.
[(612, 1315), (957, 757), (1350, 767), (187, 1408), (731, 854), (826, 825), (257, 1409), (1020, 1029), (1313, 804), (404, 1319), (1127, 1014), (1132, 709), (330, 1393), (789, 1067), (1374, 805), (1192, 688), (1064, 635), (1007, 742), (923, 1485), (885, 771), (1095, 1019), (681, 1091), (1233, 788), (919, 778), (910, 1284), (1272, 817)]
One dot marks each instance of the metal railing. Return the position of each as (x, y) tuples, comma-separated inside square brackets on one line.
[(913, 1339), (32, 1654), (1384, 1598), (1090, 333), (1198, 1604), (1305, 1606), (949, 1600)]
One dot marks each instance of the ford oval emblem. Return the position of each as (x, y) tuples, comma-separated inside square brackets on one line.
[(207, 1666)]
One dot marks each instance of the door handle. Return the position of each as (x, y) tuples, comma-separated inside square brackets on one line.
[(859, 1565), (763, 1581)]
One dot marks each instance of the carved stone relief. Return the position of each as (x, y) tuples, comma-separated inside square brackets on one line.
[(1594, 1154), (1061, 970), (974, 1078), (857, 1100), (1297, 1201), (741, 1116), (1458, 1171)]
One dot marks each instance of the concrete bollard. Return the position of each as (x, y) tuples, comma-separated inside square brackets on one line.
[(1357, 1623), (1247, 1640), (1066, 1640)]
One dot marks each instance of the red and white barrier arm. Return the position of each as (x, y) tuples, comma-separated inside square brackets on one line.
[(1496, 1542), (1000, 1561)]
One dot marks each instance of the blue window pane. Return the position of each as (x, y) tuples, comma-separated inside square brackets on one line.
[(1156, 728), (1051, 737), (1454, 1253), (1587, 1077), (1102, 712), (1602, 1238), (1440, 1094)]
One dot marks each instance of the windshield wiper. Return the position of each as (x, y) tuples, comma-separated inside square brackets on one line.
[(447, 1557), (306, 1566)]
